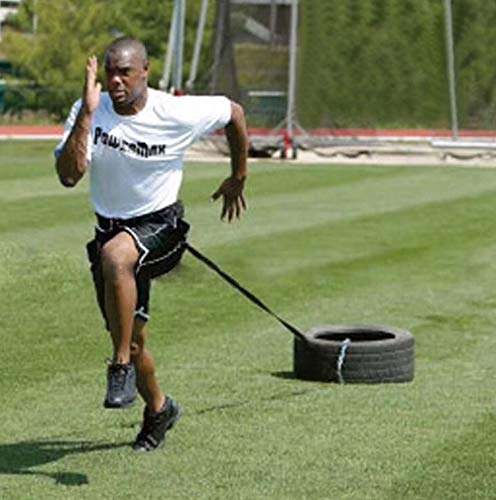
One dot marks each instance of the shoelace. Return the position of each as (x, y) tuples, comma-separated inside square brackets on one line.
[(118, 374)]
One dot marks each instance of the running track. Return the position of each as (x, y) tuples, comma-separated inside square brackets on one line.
[(55, 132)]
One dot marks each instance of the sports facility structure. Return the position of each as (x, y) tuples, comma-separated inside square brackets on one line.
[(347, 76), (332, 78)]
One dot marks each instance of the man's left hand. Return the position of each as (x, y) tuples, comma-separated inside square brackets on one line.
[(233, 199)]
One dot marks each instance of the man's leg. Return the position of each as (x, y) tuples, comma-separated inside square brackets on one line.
[(118, 260), (161, 412), (146, 377), (119, 257)]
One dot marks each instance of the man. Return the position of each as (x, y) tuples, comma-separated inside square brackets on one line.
[(132, 140)]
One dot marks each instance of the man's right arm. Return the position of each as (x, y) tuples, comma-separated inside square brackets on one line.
[(72, 161)]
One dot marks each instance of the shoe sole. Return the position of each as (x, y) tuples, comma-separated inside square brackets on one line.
[(172, 423), (120, 406), (174, 420)]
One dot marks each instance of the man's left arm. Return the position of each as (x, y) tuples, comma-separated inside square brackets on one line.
[(232, 188)]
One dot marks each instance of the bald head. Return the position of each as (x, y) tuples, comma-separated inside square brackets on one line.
[(130, 46), (126, 72)]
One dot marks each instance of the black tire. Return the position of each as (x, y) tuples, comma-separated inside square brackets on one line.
[(355, 354)]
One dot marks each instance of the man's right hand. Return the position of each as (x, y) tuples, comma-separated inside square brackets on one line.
[(72, 162), (92, 88)]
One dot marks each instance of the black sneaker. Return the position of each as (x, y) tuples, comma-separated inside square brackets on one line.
[(152, 434), (121, 386)]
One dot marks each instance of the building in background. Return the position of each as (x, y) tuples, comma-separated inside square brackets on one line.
[(7, 7)]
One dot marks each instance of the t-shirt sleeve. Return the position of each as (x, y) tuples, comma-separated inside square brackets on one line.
[(67, 129), (211, 113)]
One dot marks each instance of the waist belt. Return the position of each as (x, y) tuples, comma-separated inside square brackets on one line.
[(176, 210)]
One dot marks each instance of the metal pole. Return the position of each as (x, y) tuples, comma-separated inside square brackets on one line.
[(293, 44), (164, 82), (198, 44), (451, 68), (35, 17), (219, 40), (178, 66), (273, 22)]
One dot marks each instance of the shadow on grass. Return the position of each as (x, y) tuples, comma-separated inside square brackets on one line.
[(247, 402), (285, 374), (20, 458)]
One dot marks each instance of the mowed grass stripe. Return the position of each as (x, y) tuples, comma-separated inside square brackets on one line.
[(26, 159), (340, 409), (348, 295), (314, 269), (438, 226), (23, 178), (326, 203), (24, 189), (30, 195), (44, 211), (335, 271), (276, 178), (313, 207), (477, 363), (30, 198)]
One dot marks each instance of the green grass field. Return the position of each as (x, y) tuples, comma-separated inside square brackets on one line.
[(408, 247)]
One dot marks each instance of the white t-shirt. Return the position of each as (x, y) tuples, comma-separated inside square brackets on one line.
[(136, 161)]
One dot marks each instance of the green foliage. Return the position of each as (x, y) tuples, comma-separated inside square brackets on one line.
[(69, 31), (475, 21), (382, 63), (372, 62), (362, 63)]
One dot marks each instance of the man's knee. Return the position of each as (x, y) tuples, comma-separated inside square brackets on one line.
[(119, 255)]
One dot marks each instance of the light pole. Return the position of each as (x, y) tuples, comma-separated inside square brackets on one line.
[(293, 46), (198, 44), (450, 52), (179, 45)]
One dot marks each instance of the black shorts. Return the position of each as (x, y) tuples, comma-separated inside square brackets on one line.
[(159, 238)]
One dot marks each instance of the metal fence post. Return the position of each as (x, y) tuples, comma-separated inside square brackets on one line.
[(450, 52)]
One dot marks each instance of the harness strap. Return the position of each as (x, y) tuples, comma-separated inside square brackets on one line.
[(250, 296)]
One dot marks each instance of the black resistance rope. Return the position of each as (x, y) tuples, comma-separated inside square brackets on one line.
[(250, 296)]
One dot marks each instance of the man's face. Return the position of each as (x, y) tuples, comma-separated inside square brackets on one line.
[(126, 76)]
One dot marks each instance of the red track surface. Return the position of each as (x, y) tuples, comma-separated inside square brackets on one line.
[(38, 131), (30, 130)]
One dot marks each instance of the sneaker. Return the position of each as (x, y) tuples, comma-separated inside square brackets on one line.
[(121, 386), (152, 434)]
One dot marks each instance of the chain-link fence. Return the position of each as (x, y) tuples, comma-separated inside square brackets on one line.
[(250, 59), (363, 63)]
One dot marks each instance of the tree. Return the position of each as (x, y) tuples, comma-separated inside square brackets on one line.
[(370, 63), (475, 62), (53, 59)]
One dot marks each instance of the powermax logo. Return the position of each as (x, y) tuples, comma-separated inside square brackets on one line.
[(138, 148)]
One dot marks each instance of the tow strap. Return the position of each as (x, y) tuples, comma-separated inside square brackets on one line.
[(250, 296)]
